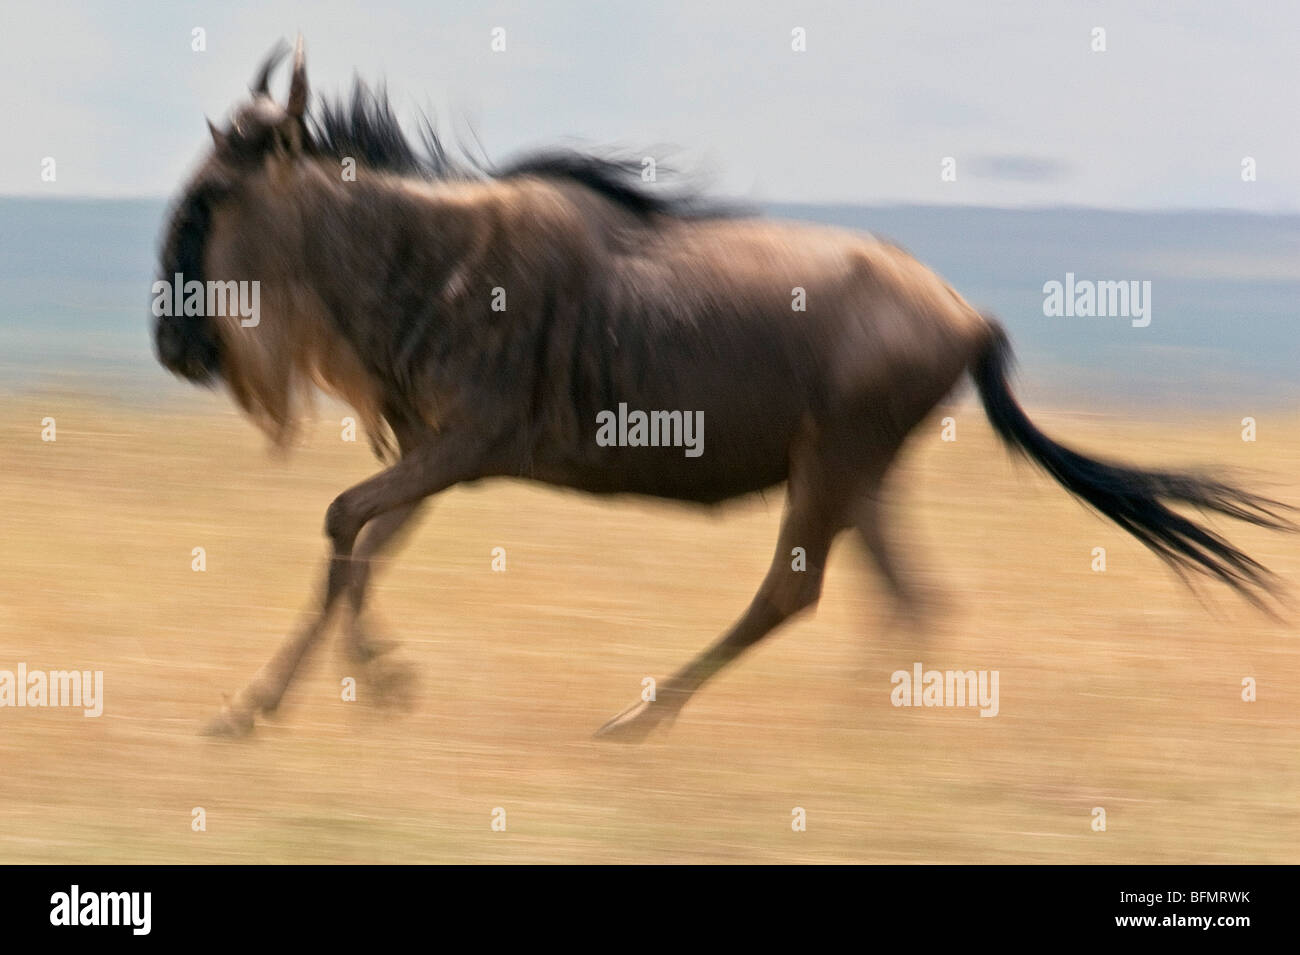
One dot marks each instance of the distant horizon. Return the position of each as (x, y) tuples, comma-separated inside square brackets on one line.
[(815, 204), (74, 293)]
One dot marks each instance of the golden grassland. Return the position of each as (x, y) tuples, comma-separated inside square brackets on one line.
[(1118, 689)]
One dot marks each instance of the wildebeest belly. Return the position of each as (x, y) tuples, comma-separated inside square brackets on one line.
[(666, 473), (692, 443)]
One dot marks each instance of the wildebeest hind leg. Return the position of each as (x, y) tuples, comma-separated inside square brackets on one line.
[(914, 604), (793, 584)]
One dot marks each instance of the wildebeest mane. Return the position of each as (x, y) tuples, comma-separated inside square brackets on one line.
[(365, 128)]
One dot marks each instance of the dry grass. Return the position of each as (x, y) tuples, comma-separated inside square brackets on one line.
[(1118, 689)]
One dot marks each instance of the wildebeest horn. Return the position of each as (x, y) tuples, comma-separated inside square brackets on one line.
[(261, 81), (298, 86), (218, 137)]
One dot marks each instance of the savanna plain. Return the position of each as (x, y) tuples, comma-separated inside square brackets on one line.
[(1119, 689)]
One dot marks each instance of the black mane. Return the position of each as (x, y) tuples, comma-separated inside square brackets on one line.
[(365, 128)]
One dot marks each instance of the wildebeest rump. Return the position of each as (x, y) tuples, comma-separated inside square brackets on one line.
[(481, 321)]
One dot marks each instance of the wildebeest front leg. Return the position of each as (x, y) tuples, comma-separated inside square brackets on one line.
[(388, 681), (380, 535), (425, 471)]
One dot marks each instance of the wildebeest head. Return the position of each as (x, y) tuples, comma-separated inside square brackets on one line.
[(260, 132)]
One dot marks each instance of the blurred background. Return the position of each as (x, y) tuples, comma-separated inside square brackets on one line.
[(1167, 156)]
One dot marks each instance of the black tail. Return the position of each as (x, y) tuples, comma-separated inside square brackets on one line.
[(1132, 498)]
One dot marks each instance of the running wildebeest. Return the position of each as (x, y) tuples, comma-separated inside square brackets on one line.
[(385, 289)]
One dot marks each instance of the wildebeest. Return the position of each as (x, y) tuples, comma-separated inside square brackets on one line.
[(484, 323)]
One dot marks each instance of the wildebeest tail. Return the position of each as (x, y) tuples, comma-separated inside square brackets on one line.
[(1133, 498)]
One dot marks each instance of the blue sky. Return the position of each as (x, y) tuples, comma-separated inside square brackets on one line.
[(883, 92)]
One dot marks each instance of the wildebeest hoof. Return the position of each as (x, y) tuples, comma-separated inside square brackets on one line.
[(230, 723), (634, 724), (365, 649), (391, 684)]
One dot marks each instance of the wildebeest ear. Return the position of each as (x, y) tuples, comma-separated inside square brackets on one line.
[(298, 87), (219, 139)]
